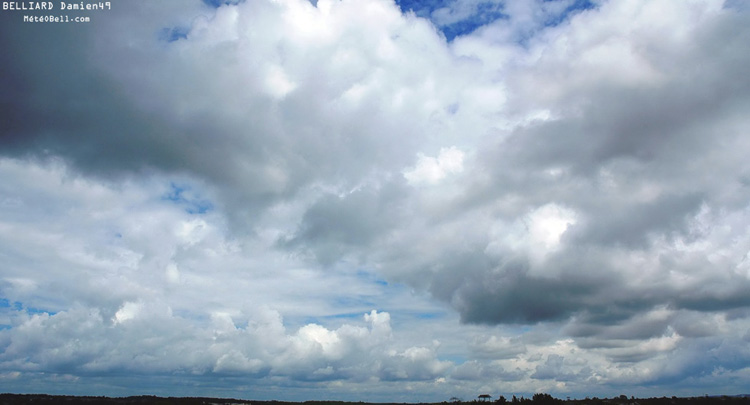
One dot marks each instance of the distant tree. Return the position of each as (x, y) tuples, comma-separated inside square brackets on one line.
[(501, 400), (545, 399), (455, 399)]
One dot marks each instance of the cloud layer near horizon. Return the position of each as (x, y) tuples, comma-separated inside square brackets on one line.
[(333, 196)]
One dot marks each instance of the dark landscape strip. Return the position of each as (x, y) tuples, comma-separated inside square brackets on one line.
[(542, 399)]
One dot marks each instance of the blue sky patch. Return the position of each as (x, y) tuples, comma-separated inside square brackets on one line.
[(422, 8), (577, 6), (353, 302), (173, 34), (219, 3), (20, 307), (346, 315), (329, 320), (365, 275), (486, 14), (429, 315), (483, 14), (183, 195)]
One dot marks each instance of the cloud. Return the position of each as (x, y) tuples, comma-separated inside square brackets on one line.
[(431, 170), (497, 347), (222, 189), (148, 337)]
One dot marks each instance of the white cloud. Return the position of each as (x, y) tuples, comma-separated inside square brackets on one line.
[(431, 170), (128, 311), (535, 235)]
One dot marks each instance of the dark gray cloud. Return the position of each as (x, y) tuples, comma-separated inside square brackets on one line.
[(62, 106), (516, 297), (337, 224), (151, 114)]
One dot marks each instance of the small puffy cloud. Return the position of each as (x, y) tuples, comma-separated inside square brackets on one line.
[(431, 170), (128, 311)]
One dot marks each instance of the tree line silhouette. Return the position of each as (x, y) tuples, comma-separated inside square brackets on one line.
[(536, 399), (547, 399)]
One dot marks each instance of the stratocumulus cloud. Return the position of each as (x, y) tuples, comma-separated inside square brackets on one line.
[(377, 201)]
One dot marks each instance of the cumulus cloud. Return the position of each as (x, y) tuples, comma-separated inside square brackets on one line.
[(431, 170), (241, 181), (145, 338)]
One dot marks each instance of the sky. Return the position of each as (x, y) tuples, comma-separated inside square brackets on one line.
[(375, 200)]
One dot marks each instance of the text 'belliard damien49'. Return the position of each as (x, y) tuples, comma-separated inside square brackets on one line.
[(48, 5)]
